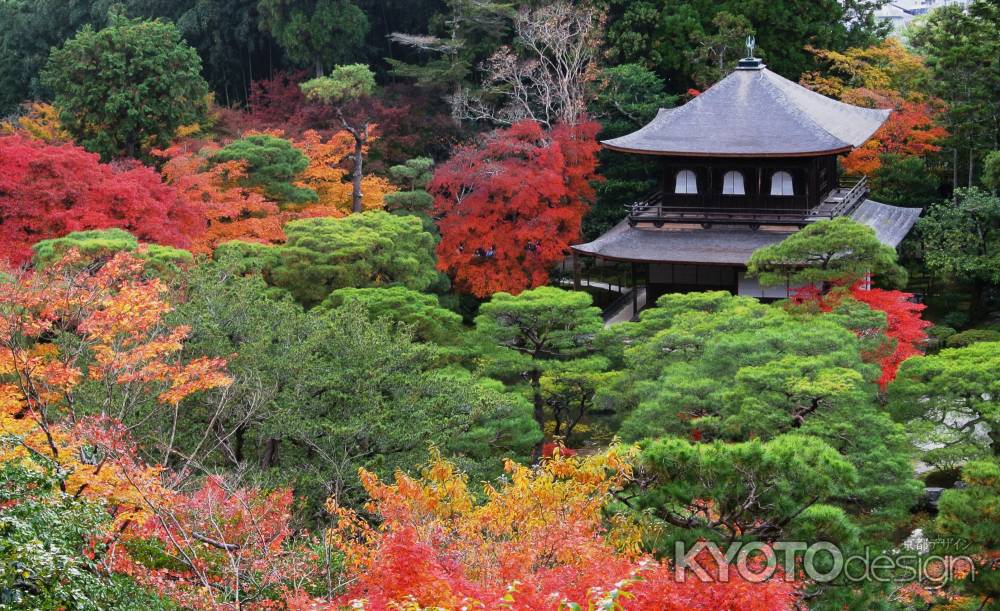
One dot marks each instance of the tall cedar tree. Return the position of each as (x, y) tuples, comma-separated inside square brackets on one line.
[(510, 205), (128, 87), (315, 32), (47, 191)]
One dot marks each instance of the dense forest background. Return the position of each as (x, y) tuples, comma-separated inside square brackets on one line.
[(284, 319)]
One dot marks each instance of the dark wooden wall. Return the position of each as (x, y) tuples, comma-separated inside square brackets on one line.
[(813, 178)]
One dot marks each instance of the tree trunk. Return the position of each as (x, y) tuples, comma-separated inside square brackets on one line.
[(238, 443), (318, 63), (977, 298), (356, 178), (270, 457), (954, 175), (536, 390), (575, 421), (971, 165)]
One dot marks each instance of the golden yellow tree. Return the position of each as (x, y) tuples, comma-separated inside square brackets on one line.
[(39, 121), (67, 325)]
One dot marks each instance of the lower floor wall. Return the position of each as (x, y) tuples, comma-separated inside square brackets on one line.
[(684, 278)]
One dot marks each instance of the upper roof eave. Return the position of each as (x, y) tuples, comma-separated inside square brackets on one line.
[(621, 149)]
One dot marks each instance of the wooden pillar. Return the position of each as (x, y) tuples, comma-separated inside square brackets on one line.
[(576, 271), (760, 187), (813, 198), (709, 191), (635, 289)]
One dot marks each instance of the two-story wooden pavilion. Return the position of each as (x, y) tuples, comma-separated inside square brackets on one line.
[(744, 164)]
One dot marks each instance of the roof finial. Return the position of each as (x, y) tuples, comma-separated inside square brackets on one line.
[(751, 43)]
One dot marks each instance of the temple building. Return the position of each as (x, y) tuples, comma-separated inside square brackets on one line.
[(743, 165)]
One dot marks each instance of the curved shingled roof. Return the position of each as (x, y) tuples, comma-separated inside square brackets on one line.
[(729, 245), (754, 112)]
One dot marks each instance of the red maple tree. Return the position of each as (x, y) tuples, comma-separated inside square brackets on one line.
[(905, 330), (510, 205), (912, 130), (49, 190)]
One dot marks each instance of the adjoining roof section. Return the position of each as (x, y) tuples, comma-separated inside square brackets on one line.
[(891, 223), (754, 112), (728, 245)]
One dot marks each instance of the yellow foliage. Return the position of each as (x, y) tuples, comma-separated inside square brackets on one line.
[(211, 117), (93, 470), (550, 514), (329, 176), (186, 131), (330, 179), (886, 66), (117, 317), (39, 121)]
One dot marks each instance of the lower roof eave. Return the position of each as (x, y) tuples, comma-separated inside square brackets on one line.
[(727, 246), (655, 260)]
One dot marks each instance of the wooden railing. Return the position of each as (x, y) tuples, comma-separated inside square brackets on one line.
[(653, 209)]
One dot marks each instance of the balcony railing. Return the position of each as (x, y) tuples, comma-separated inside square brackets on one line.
[(753, 210)]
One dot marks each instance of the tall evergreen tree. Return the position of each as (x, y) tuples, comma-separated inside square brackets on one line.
[(127, 88), (316, 33), (963, 51)]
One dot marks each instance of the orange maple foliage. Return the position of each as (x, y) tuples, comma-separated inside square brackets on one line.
[(66, 325), (232, 212), (115, 317), (69, 325), (539, 541), (886, 75), (90, 453), (912, 130), (328, 177), (235, 212)]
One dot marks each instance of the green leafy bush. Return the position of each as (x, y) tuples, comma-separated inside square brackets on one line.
[(972, 336)]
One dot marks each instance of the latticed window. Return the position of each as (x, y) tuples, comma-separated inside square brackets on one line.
[(687, 182), (732, 183), (781, 184)]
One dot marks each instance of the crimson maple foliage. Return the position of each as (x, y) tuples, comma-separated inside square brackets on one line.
[(905, 331), (904, 326), (49, 190), (509, 206)]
